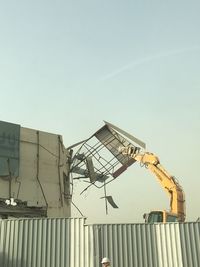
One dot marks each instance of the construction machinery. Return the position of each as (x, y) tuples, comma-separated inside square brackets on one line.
[(168, 183), (125, 149), (37, 172)]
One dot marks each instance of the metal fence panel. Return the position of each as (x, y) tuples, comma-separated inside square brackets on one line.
[(37, 242), (190, 244), (126, 244), (69, 242), (148, 245)]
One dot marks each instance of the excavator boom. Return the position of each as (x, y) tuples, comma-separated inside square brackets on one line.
[(167, 181)]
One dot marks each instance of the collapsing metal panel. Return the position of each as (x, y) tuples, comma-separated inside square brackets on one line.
[(112, 141), (127, 135), (99, 157)]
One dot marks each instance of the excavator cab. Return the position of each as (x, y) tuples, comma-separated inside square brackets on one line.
[(160, 216)]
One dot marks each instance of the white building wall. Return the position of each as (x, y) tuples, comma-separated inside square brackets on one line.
[(43, 170)]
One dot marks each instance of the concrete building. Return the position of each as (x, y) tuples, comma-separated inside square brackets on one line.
[(34, 180)]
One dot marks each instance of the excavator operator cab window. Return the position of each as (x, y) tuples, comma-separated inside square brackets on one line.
[(172, 218), (155, 217)]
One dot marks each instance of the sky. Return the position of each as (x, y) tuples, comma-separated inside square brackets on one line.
[(66, 66)]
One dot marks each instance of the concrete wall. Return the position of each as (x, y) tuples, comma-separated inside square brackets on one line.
[(43, 184)]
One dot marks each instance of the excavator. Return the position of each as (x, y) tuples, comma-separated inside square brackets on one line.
[(168, 183)]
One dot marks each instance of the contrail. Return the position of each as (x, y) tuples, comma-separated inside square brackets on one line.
[(148, 59)]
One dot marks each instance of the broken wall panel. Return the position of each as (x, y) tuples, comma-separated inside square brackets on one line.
[(41, 187)]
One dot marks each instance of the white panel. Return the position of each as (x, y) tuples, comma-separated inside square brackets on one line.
[(43, 160)]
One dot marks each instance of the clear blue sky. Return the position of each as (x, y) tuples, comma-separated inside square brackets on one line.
[(68, 65)]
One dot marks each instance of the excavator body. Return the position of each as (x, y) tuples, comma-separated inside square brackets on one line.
[(160, 216)]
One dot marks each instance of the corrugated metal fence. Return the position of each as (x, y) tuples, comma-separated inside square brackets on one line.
[(70, 243), (43, 243)]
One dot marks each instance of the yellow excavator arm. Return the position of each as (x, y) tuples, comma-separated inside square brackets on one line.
[(168, 182)]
